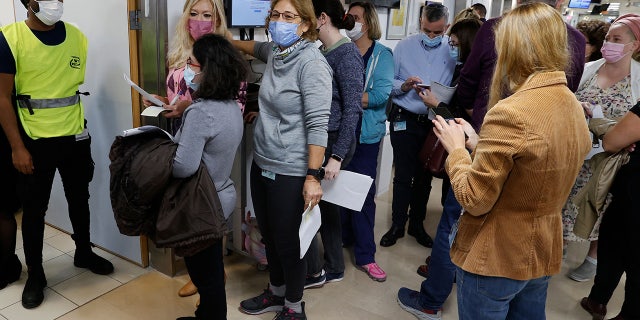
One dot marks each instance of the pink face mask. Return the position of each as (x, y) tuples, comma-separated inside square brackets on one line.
[(199, 28), (613, 52)]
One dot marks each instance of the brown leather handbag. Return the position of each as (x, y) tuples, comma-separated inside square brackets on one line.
[(433, 156)]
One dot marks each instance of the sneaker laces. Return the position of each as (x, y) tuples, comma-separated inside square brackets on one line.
[(267, 296), (286, 313)]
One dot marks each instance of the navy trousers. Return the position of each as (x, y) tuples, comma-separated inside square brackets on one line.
[(357, 227)]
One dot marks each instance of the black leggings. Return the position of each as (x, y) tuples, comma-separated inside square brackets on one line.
[(206, 270), (278, 205)]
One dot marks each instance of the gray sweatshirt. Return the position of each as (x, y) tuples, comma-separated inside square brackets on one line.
[(211, 131), (294, 101)]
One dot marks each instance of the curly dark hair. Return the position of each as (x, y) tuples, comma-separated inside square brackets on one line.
[(223, 68), (594, 31)]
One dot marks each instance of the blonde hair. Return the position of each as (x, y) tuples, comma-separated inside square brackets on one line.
[(370, 18), (307, 14), (182, 43), (467, 13), (529, 39)]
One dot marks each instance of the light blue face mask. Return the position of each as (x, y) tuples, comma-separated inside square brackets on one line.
[(283, 33), (454, 52), (188, 78), (431, 43)]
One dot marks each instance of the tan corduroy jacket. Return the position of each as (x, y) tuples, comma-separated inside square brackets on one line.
[(515, 183)]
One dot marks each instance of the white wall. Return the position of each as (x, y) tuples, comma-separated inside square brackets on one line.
[(107, 110), (7, 12)]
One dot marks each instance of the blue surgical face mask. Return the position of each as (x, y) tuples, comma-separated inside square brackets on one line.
[(431, 43), (454, 52), (188, 78), (283, 33)]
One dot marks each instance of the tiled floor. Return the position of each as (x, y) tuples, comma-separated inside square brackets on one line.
[(68, 287), (136, 293)]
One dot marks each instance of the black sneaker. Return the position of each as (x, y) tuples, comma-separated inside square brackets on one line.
[(334, 277), (288, 314), (315, 282), (93, 262), (266, 302)]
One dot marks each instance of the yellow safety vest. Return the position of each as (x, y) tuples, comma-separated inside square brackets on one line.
[(47, 80)]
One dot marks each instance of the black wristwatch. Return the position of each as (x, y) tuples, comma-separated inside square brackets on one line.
[(316, 173), (336, 157)]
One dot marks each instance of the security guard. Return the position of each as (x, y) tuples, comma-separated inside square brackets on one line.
[(10, 266), (42, 64)]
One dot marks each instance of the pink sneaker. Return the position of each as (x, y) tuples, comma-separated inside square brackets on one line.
[(374, 271)]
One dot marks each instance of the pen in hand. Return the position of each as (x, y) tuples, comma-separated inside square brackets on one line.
[(176, 98)]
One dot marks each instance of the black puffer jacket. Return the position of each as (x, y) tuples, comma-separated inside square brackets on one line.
[(141, 167), (177, 213)]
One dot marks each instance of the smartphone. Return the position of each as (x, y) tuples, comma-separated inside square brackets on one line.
[(424, 85), (441, 111)]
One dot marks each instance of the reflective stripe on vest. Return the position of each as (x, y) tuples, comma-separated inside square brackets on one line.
[(48, 103), (47, 80)]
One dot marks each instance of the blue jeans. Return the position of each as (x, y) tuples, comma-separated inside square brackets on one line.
[(436, 288), (492, 298)]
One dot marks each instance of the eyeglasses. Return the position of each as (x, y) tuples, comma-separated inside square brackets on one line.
[(287, 16), (191, 64), (453, 44)]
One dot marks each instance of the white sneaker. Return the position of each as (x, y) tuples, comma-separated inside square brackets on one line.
[(585, 272)]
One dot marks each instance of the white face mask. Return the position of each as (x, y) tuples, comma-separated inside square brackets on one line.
[(355, 33), (50, 11)]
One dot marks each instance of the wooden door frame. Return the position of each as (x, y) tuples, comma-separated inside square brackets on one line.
[(134, 71)]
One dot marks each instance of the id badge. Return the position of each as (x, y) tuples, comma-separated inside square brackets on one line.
[(454, 230), (399, 126), (268, 174)]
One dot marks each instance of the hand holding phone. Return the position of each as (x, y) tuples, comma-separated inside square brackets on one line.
[(440, 111), (424, 85)]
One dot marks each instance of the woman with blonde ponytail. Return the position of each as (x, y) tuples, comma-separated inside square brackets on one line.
[(512, 187)]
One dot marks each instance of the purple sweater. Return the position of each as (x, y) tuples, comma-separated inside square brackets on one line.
[(475, 76), (346, 103)]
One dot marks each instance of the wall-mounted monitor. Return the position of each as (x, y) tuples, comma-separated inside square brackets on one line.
[(579, 4), (246, 13)]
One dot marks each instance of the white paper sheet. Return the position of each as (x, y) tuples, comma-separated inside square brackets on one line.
[(348, 190), (597, 112), (309, 226), (442, 92), (152, 111), (145, 94)]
